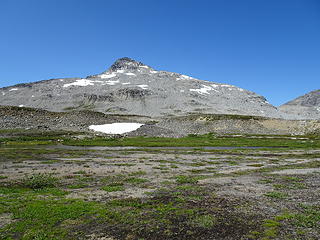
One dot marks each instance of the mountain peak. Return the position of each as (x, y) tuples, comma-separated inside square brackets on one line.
[(126, 63)]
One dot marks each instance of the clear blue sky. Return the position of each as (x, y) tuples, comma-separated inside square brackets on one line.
[(271, 47)]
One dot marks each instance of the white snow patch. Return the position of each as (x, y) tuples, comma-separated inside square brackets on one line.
[(3, 93), (126, 83), (130, 74), (61, 80), (230, 87), (32, 96), (116, 128), (111, 75), (81, 83), (13, 89), (184, 77), (204, 90), (144, 66), (143, 86), (181, 90), (110, 82), (153, 71), (21, 105), (120, 71)]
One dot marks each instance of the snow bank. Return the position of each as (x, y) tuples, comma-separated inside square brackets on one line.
[(204, 90), (116, 128), (110, 82), (143, 86), (109, 75), (143, 66), (81, 82)]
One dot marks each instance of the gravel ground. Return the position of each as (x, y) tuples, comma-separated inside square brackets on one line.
[(261, 186)]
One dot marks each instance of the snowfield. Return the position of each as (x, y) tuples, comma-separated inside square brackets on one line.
[(116, 128), (81, 83), (111, 75), (204, 90), (143, 86)]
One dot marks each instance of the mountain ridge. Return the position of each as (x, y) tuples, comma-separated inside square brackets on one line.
[(307, 105), (132, 87)]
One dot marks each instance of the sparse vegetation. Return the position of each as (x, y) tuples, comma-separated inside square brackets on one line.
[(67, 138), (275, 194), (190, 193), (113, 188), (39, 181), (182, 179)]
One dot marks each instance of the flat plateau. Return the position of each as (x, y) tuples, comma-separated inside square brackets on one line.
[(63, 186)]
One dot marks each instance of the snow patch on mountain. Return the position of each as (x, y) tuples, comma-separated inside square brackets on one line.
[(204, 90), (111, 75), (143, 86), (81, 83), (116, 128), (110, 82)]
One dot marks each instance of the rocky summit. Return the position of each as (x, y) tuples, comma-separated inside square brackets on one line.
[(305, 107), (131, 87)]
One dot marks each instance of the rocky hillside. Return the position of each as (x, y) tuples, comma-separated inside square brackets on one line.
[(174, 126), (305, 107), (29, 118), (131, 87)]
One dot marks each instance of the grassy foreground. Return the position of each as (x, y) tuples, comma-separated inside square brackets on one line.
[(55, 193), (43, 138)]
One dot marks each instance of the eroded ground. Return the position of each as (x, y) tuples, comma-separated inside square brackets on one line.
[(57, 192)]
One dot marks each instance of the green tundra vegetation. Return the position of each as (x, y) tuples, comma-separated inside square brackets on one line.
[(22, 137), (55, 186)]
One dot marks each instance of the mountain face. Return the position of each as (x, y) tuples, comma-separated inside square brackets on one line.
[(306, 106), (131, 87)]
